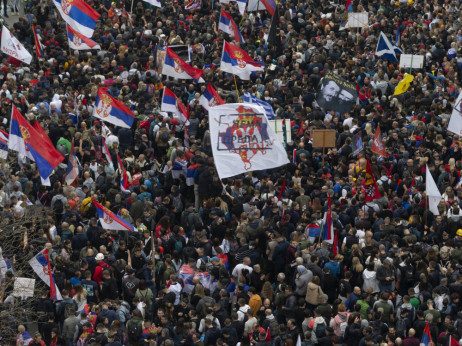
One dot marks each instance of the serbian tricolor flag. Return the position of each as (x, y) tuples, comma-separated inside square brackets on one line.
[(426, 337), (27, 141), (111, 110), (171, 103), (236, 61), (377, 145), (3, 145), (40, 263), (327, 229), (111, 221), (106, 152), (283, 188), (193, 5), (371, 189), (80, 42), (453, 342), (38, 44), (312, 230), (124, 184), (228, 25), (177, 68), (72, 166), (270, 6), (210, 98), (79, 15)]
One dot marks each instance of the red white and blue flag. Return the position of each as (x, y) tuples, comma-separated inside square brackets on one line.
[(171, 103), (210, 98), (111, 110), (124, 183), (78, 14), (228, 25), (270, 6), (193, 5), (111, 221), (37, 43), (177, 68), (236, 61), (40, 263), (80, 42), (313, 230), (426, 337), (72, 166), (3, 145), (106, 152), (28, 142), (327, 228)]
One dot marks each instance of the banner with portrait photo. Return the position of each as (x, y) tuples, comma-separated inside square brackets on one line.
[(336, 94)]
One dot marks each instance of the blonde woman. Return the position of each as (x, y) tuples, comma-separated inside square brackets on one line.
[(357, 272), (80, 297)]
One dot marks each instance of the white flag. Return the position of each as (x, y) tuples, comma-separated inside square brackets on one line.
[(455, 123), (155, 3), (434, 195), (242, 140), (14, 48)]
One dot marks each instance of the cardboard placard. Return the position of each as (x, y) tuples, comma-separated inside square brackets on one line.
[(276, 125), (24, 287), (358, 20), (324, 138)]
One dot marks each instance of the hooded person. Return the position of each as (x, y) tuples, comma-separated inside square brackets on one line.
[(302, 278)]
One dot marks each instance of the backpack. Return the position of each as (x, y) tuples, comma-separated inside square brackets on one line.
[(401, 327), (134, 330), (274, 327), (178, 244), (207, 303), (58, 207), (177, 203), (320, 329)]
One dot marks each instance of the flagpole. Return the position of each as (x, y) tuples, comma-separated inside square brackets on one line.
[(237, 91)]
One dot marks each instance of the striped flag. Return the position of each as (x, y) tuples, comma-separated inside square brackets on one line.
[(38, 44), (249, 98)]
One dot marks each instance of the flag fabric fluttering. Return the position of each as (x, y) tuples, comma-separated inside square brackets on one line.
[(433, 194), (193, 5), (249, 98), (270, 6), (227, 24), (40, 263), (37, 43), (386, 49), (105, 132), (377, 144), (3, 145), (12, 47), (29, 142), (72, 166), (210, 98), (348, 9), (283, 188), (273, 37), (109, 220), (453, 342), (240, 4), (106, 152), (404, 84), (78, 14), (236, 61), (171, 103), (155, 3), (124, 183), (111, 110), (176, 67), (78, 41), (327, 228), (370, 184), (426, 339)]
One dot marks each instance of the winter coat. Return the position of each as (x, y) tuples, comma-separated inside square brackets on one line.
[(301, 283), (312, 293)]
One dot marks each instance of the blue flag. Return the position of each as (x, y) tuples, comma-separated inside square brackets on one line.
[(249, 98)]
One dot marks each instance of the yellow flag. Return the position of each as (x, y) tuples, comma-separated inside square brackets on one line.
[(404, 84)]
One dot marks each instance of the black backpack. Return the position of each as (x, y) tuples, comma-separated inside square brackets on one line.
[(134, 330), (58, 207), (320, 330)]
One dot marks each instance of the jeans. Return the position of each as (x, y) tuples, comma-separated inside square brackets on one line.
[(69, 342), (388, 287)]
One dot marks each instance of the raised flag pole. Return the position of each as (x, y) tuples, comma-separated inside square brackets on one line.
[(237, 91)]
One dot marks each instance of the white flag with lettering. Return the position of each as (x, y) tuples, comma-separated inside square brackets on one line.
[(14, 48), (242, 140)]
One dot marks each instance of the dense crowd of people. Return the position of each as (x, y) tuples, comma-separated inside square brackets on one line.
[(238, 261)]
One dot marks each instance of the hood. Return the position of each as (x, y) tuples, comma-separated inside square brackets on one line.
[(319, 320), (369, 274), (301, 269), (254, 224), (342, 316), (312, 286)]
